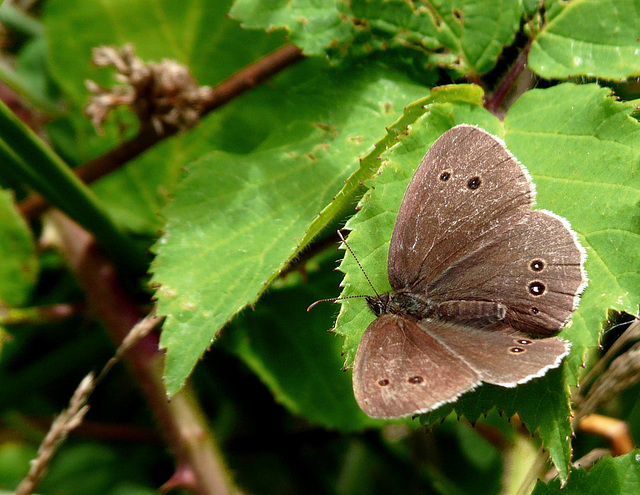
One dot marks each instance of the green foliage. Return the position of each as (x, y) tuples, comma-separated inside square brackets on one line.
[(19, 268), (466, 36), (241, 212), (546, 130), (620, 475), (196, 34), (248, 215), (594, 38), (32, 162)]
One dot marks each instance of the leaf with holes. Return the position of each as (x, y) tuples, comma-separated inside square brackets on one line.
[(467, 36), (594, 38)]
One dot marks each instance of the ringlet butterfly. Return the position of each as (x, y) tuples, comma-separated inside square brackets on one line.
[(475, 274)]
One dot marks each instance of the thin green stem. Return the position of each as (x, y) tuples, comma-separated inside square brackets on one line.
[(15, 170), (20, 22), (45, 172), (523, 462)]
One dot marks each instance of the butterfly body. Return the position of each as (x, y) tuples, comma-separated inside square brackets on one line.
[(418, 306), (474, 273), (404, 303)]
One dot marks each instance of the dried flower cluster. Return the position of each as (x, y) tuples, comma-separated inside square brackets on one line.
[(164, 94)]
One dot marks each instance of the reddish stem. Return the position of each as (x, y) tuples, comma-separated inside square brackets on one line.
[(180, 419), (495, 102)]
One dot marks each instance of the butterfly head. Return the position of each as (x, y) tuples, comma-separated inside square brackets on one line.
[(378, 304)]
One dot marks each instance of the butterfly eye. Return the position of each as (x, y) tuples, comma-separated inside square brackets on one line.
[(474, 183)]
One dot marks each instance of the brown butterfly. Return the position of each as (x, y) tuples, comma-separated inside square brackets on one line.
[(474, 272)]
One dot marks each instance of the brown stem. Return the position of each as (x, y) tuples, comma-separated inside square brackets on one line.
[(107, 432), (243, 80), (39, 314), (613, 429), (252, 75), (180, 419)]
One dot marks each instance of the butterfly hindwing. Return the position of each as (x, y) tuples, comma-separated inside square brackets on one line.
[(401, 370), (535, 269), (500, 355)]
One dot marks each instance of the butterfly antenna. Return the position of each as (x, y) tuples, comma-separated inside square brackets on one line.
[(357, 261), (331, 299), (334, 299)]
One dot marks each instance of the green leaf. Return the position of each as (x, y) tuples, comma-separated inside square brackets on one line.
[(294, 355), (19, 267), (239, 127), (465, 35), (245, 216), (594, 38), (581, 147), (613, 476)]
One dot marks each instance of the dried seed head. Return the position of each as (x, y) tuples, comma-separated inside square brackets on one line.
[(160, 94)]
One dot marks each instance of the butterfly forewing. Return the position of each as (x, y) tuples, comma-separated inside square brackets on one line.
[(467, 190)]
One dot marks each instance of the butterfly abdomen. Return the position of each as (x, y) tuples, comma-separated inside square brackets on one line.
[(481, 311)]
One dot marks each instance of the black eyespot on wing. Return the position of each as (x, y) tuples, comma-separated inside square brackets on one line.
[(537, 265), (383, 383), (474, 183), (516, 350), (415, 379), (536, 288), (445, 175)]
